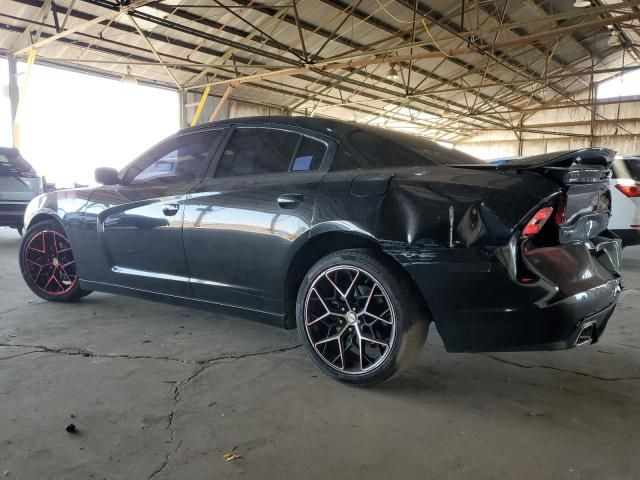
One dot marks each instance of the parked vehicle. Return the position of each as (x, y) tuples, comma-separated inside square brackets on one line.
[(19, 184), (358, 236), (625, 198)]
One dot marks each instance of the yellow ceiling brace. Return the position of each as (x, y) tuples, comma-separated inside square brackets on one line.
[(194, 121)]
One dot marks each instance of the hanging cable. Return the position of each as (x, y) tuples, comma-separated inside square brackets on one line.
[(391, 15), (424, 24)]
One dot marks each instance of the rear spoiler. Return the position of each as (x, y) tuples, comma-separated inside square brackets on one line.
[(588, 165)]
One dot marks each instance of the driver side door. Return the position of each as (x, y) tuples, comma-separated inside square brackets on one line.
[(138, 224)]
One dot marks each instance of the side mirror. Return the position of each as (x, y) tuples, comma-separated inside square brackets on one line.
[(107, 176)]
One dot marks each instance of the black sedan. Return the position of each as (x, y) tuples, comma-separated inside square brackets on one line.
[(359, 236)]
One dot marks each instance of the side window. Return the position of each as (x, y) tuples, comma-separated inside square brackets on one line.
[(179, 160), (252, 151), (309, 155)]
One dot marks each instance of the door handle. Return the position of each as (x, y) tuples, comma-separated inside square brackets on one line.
[(290, 200), (171, 209)]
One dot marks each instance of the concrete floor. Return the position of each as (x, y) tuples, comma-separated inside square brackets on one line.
[(164, 392)]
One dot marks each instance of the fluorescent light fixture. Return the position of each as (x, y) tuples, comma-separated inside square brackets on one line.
[(392, 73), (614, 39), (582, 3)]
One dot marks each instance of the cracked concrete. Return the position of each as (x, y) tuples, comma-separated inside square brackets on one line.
[(164, 392)]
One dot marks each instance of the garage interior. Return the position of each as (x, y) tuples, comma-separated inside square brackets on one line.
[(164, 392)]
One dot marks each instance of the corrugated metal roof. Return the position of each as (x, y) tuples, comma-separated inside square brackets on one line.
[(447, 95)]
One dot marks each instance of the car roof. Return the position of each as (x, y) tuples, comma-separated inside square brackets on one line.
[(325, 126), (8, 151)]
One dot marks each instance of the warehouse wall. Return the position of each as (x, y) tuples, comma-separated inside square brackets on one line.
[(230, 109), (574, 123)]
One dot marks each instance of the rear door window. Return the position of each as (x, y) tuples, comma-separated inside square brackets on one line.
[(254, 151)]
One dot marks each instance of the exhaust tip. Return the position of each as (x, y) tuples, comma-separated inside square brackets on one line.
[(585, 337)]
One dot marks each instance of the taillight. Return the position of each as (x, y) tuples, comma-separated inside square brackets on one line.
[(630, 191), (537, 221)]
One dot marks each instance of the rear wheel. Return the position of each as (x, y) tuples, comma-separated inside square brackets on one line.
[(359, 318), (48, 265)]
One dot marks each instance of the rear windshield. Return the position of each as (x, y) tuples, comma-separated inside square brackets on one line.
[(11, 162), (371, 147), (627, 168)]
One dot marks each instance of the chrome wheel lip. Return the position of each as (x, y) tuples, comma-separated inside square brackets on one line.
[(392, 314)]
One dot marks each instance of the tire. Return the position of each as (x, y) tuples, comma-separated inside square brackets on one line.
[(47, 263), (20, 229), (385, 308)]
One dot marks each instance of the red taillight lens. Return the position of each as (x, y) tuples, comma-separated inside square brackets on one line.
[(537, 222), (629, 190)]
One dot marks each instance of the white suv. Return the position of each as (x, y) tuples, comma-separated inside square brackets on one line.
[(625, 198)]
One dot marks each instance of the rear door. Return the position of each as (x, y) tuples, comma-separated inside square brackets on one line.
[(247, 217), (138, 224)]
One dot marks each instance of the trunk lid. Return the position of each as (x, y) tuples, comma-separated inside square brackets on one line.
[(582, 210)]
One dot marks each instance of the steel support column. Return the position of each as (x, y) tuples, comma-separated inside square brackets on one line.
[(14, 96), (182, 98), (14, 92)]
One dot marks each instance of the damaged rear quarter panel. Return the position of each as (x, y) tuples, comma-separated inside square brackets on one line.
[(410, 221), (485, 206), (437, 207)]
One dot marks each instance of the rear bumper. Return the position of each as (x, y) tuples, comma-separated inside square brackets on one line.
[(629, 236), (479, 306), (12, 213)]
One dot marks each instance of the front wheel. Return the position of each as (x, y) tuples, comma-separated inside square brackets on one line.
[(48, 265), (359, 317)]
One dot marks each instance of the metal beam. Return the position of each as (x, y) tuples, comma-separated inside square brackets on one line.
[(221, 103), (39, 18), (155, 52), (329, 65), (270, 86), (82, 26), (437, 90), (570, 14), (582, 123), (300, 35)]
